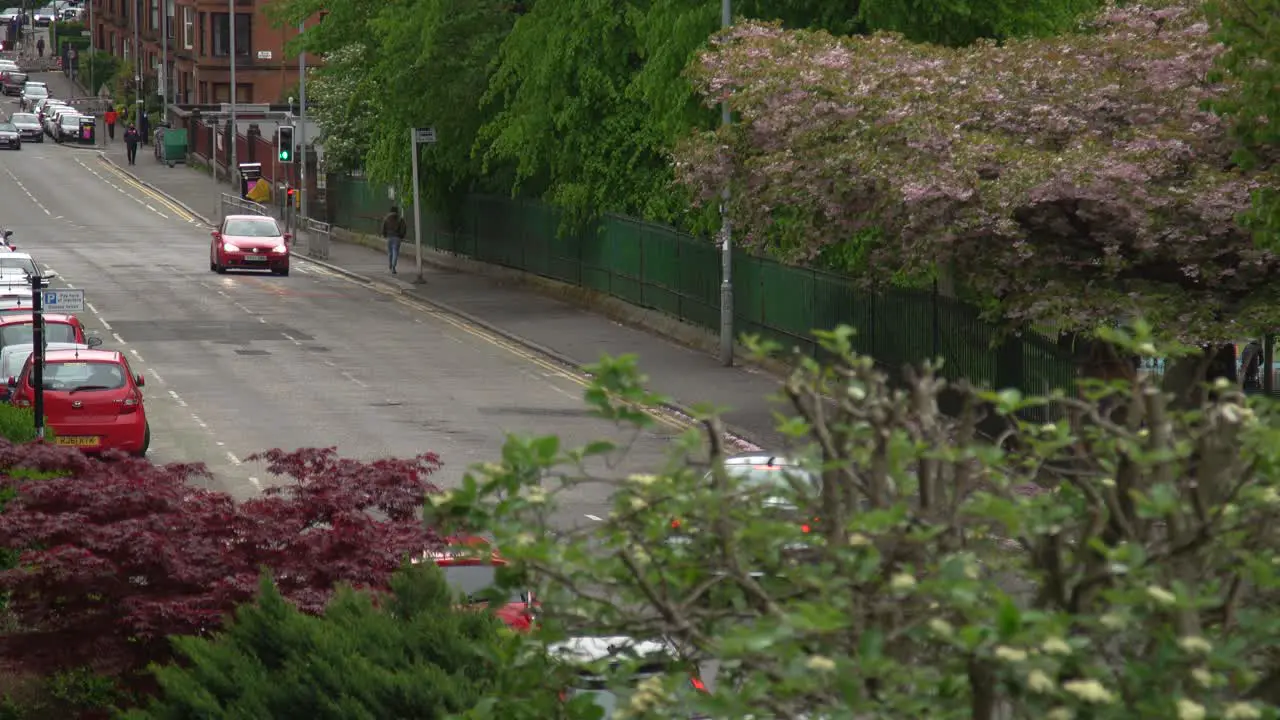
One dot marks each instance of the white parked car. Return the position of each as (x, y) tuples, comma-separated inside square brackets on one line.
[(69, 126), (13, 357), (53, 119), (32, 94), (10, 14), (20, 261), (652, 659)]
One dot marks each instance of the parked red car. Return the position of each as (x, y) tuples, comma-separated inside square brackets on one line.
[(92, 399), (16, 329), (250, 242), (470, 565)]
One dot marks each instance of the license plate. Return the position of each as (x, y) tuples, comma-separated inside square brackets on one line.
[(256, 258), (81, 441)]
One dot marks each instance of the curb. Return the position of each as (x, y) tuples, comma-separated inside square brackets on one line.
[(185, 207), (735, 434)]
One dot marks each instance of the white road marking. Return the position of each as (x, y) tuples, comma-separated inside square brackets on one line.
[(89, 305), (291, 339), (256, 483), (119, 339), (262, 318), (135, 354), (123, 191), (156, 375), (231, 456), (219, 443), (105, 325), (594, 517), (70, 286), (177, 399), (354, 379)]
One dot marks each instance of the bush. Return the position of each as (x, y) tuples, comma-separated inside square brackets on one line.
[(99, 68), (117, 556), (413, 653), (1116, 562), (17, 425)]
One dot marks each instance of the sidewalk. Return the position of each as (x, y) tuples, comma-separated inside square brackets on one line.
[(567, 332)]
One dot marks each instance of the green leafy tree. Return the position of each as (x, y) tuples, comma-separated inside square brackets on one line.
[(411, 653), (1108, 558), (338, 99), (1251, 34)]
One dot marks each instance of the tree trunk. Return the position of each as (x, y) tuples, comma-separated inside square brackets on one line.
[(1186, 378)]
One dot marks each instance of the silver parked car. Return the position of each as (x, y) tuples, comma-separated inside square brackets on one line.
[(10, 137), (28, 126)]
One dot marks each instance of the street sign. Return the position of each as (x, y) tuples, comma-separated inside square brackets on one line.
[(57, 301), (424, 135)]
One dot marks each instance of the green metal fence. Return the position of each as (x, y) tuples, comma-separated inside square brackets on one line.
[(659, 268)]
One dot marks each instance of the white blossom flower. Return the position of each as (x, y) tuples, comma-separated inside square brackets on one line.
[(643, 479), (1242, 711), (1055, 646), (1161, 596), (536, 495), (1009, 654), (1114, 621), (1060, 714), (637, 502), (821, 664), (1090, 691), (941, 627), (1194, 644), (1040, 682), (1202, 676), (1190, 710), (859, 540), (440, 498), (902, 582)]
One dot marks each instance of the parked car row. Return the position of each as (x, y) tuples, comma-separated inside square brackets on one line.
[(45, 115), (92, 398)]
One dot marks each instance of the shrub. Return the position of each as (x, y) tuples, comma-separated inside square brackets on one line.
[(17, 425), (413, 653), (117, 556), (1117, 562)]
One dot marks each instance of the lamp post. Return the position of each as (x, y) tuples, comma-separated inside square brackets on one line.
[(137, 61), (302, 128), (726, 257), (232, 170), (164, 59)]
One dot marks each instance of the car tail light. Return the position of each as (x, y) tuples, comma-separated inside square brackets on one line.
[(130, 404), (697, 684)]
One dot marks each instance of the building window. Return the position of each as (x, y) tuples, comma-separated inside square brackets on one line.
[(188, 27), (204, 93), (222, 39), (155, 15), (244, 93), (200, 35), (168, 18)]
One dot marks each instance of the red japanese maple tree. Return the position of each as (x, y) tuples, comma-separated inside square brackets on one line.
[(116, 556)]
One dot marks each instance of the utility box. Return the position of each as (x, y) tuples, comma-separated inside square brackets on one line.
[(88, 134), (249, 174), (172, 144)]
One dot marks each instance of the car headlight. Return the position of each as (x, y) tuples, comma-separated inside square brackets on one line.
[(230, 248), (282, 249)]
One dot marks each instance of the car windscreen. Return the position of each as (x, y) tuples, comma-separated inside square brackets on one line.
[(72, 375), (470, 580), (24, 119), (8, 127), (69, 120), (251, 228), (776, 476), (36, 90), (24, 264), (22, 334)]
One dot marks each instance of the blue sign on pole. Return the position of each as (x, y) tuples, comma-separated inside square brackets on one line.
[(65, 300)]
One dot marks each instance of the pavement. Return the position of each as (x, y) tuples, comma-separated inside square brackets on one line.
[(566, 333), (239, 363)]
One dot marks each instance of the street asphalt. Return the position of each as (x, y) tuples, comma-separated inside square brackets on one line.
[(239, 363)]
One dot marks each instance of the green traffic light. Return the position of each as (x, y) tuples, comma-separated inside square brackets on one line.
[(284, 155)]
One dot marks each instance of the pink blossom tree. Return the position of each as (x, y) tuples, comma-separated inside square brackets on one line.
[(1074, 180)]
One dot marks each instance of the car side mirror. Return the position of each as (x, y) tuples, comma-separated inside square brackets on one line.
[(93, 342), (215, 234), (287, 237), (140, 380), (50, 274), (13, 382)]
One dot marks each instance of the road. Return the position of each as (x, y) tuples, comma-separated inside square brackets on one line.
[(239, 363)]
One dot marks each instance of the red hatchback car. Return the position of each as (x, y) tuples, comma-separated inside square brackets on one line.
[(92, 399), (250, 242), (470, 567), (16, 329)]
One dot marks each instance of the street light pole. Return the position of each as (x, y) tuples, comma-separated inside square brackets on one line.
[(164, 60), (302, 128), (726, 257), (93, 49), (137, 61), (232, 170)]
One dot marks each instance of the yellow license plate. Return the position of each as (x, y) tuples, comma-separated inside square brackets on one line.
[(83, 441)]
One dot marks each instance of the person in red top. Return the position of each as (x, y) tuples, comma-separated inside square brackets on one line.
[(110, 118)]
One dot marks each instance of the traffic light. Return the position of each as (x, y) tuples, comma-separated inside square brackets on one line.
[(284, 142)]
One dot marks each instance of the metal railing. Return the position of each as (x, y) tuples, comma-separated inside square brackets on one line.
[(233, 205), (317, 236)]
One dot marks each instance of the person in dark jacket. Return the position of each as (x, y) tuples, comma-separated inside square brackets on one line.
[(131, 138), (40, 47), (393, 229)]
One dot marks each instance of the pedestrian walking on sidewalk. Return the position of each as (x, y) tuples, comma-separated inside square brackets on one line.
[(40, 47), (394, 230), (110, 118), (131, 144)]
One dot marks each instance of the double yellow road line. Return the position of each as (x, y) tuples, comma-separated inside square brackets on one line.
[(124, 177)]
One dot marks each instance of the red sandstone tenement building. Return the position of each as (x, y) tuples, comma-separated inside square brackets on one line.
[(199, 47)]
